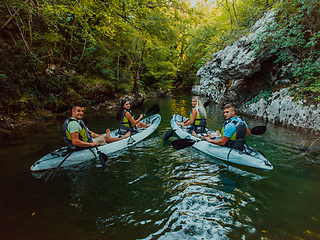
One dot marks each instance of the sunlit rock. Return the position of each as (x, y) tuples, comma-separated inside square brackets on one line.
[(234, 63), (283, 110), (237, 75)]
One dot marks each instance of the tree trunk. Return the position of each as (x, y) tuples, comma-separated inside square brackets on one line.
[(30, 26), (118, 58), (136, 86), (235, 14), (227, 8)]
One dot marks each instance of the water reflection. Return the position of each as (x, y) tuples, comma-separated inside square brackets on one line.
[(203, 199)]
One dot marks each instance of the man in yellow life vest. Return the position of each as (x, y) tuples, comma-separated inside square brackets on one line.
[(78, 136), (233, 128)]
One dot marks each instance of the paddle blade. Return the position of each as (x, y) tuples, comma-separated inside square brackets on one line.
[(153, 110), (259, 130), (206, 104), (103, 159), (168, 135), (182, 143)]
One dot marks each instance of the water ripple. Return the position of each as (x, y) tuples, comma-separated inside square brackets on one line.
[(203, 201)]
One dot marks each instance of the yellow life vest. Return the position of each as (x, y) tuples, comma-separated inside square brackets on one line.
[(198, 121), (124, 122), (83, 134)]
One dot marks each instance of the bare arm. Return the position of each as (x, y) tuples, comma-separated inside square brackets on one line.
[(220, 142), (248, 132), (77, 142), (193, 118), (94, 135), (130, 118)]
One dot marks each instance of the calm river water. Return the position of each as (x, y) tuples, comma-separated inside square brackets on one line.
[(151, 191)]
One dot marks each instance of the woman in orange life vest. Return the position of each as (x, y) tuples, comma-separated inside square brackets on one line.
[(126, 118), (197, 121)]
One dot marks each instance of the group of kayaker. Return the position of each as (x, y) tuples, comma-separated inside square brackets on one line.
[(233, 128), (77, 135)]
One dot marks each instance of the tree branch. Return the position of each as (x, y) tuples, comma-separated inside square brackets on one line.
[(12, 16), (25, 42)]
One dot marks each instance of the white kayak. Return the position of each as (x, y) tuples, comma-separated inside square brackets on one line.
[(53, 159), (247, 157)]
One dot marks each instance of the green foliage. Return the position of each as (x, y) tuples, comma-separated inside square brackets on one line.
[(266, 94), (242, 14), (97, 47), (294, 37)]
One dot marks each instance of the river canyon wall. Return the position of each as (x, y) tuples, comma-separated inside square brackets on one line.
[(239, 75)]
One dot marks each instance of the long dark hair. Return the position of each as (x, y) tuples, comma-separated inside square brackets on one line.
[(121, 109)]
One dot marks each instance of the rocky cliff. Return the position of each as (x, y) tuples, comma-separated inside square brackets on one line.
[(238, 74), (281, 109)]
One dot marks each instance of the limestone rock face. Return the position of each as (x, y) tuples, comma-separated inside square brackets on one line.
[(227, 76), (236, 75), (281, 109)]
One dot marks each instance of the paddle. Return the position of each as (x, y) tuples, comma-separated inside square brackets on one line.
[(153, 110), (168, 134), (103, 158), (206, 104), (184, 143), (258, 130)]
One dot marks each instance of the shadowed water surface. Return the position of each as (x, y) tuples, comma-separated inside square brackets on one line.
[(151, 191)]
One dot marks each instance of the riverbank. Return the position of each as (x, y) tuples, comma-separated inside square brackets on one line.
[(9, 126)]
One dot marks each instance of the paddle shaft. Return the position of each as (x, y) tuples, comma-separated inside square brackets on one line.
[(102, 157), (153, 110), (184, 143), (206, 104)]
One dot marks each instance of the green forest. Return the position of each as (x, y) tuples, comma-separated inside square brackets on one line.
[(56, 52)]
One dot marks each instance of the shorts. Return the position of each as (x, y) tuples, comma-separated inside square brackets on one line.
[(100, 140)]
